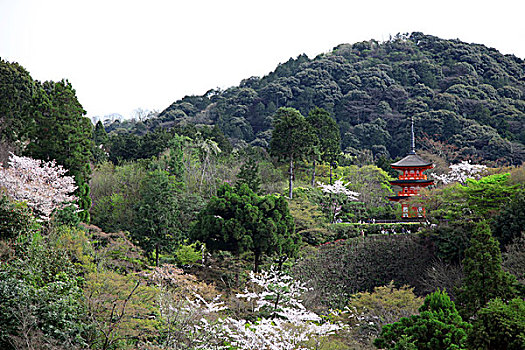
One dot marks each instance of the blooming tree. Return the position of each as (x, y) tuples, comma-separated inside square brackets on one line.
[(338, 193), (461, 172), (42, 185), (285, 323)]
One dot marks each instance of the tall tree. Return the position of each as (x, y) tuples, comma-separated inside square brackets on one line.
[(63, 133), (292, 138), (484, 276), (16, 97), (327, 132), (157, 227), (100, 146)]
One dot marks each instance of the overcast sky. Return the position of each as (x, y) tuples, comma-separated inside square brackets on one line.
[(122, 55)]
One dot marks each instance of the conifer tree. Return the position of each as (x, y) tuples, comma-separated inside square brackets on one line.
[(238, 220), (157, 228), (484, 276), (328, 135), (292, 138), (438, 327), (62, 133)]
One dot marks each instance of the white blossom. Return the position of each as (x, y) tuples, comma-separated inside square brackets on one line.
[(339, 187), (461, 172), (42, 185), (289, 326)]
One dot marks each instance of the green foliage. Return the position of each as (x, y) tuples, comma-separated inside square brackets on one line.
[(477, 199), (157, 227), (188, 254), (16, 100), (15, 218), (238, 220), (250, 176), (327, 132), (310, 221), (42, 299), (100, 143), (509, 224), (463, 95), (122, 309), (61, 132), (127, 147), (438, 326), (292, 139), (369, 312), (451, 239), (115, 191), (484, 277), (486, 195), (499, 326)]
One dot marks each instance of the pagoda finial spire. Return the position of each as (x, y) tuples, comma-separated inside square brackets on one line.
[(413, 140)]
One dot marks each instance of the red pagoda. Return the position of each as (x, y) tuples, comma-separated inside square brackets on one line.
[(411, 180)]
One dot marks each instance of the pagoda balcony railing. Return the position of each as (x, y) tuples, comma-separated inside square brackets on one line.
[(408, 193), (412, 177)]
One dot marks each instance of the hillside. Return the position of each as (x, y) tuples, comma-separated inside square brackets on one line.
[(462, 95)]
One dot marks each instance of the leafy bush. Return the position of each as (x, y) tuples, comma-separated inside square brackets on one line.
[(188, 254), (15, 218), (368, 312), (42, 299), (499, 326)]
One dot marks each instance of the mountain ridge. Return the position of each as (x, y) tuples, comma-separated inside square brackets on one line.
[(465, 97)]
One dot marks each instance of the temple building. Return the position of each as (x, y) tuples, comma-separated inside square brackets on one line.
[(411, 180)]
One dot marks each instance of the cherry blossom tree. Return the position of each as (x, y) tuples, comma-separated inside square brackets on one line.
[(461, 172), (42, 185), (337, 194), (285, 324)]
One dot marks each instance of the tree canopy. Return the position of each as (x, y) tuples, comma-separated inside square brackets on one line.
[(238, 220), (292, 138)]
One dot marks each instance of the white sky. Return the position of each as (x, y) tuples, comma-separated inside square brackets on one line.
[(122, 55)]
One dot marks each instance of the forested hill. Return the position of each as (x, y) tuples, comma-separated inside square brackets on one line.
[(466, 99)]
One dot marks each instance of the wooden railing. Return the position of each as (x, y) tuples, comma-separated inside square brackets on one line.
[(412, 177)]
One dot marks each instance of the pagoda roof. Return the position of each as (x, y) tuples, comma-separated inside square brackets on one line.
[(412, 161)]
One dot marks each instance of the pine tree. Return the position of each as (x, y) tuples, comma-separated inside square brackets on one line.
[(438, 327)]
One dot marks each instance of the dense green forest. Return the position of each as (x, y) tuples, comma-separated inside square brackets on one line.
[(466, 99), (257, 217)]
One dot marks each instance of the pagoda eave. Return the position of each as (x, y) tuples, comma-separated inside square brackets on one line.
[(398, 198), (402, 183), (422, 167)]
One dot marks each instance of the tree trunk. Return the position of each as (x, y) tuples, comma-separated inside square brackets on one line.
[(330, 173), (313, 175), (291, 178), (256, 262), (157, 255)]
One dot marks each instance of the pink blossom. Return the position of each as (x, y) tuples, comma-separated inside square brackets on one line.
[(42, 185)]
